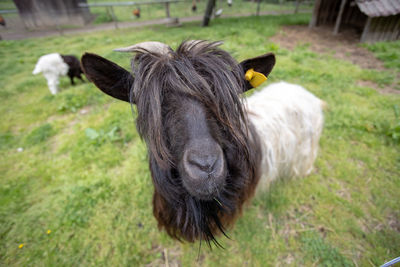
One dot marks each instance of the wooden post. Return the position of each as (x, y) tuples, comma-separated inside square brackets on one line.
[(114, 17), (385, 28), (108, 13), (396, 30), (373, 31), (314, 18), (258, 8), (208, 13), (297, 6), (390, 29), (167, 9), (339, 17), (59, 29), (366, 30), (377, 29)]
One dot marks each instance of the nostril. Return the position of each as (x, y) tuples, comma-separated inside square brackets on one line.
[(203, 162)]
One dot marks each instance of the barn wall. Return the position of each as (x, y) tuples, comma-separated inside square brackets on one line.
[(378, 29), (328, 12), (43, 13), (383, 29), (352, 16)]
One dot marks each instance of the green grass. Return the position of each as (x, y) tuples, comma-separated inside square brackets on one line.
[(7, 4), (83, 172), (388, 53)]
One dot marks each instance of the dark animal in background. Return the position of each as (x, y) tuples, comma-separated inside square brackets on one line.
[(74, 67), (194, 5), (208, 149), (136, 12), (55, 65), (2, 21)]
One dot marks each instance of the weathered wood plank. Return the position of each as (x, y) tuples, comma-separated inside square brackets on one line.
[(365, 33), (339, 17), (314, 18), (42, 13)]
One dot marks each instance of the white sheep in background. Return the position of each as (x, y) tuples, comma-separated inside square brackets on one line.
[(55, 65), (289, 121), (52, 66)]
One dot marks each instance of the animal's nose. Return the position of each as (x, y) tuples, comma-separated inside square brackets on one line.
[(203, 170), (204, 162)]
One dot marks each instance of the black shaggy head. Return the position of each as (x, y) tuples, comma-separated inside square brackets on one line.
[(204, 155)]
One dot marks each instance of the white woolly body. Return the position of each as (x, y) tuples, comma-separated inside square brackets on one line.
[(289, 122), (52, 66)]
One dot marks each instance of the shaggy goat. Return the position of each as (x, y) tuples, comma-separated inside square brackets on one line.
[(55, 65), (208, 149)]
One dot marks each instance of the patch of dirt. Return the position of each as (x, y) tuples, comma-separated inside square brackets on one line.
[(364, 226), (287, 259), (85, 110), (296, 222), (343, 46), (57, 117), (387, 90), (394, 222), (343, 192)]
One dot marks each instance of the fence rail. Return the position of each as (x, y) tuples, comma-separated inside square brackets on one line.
[(110, 4), (127, 12), (110, 8), (8, 11)]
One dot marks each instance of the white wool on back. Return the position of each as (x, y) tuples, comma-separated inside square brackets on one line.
[(289, 122), (52, 66)]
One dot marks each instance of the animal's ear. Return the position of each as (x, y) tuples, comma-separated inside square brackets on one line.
[(256, 70), (110, 78)]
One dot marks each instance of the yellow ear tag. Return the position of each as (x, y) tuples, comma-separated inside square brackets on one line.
[(255, 78)]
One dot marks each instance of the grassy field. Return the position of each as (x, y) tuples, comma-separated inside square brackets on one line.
[(75, 187)]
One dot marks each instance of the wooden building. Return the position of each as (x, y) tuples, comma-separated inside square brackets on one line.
[(376, 20), (45, 13)]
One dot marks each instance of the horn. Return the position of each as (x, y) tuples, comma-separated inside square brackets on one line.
[(146, 47)]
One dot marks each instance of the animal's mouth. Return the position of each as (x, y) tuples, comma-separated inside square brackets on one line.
[(208, 190)]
